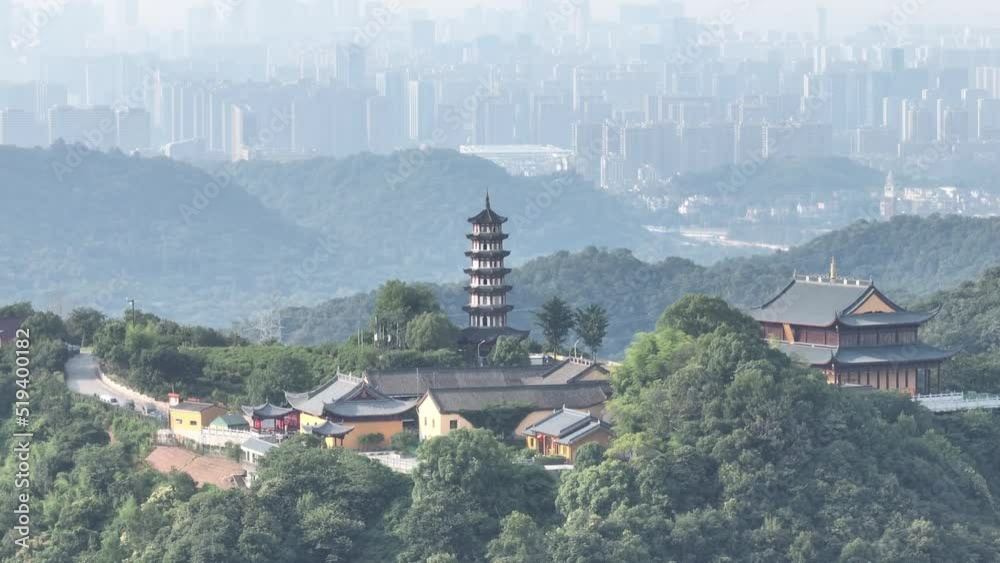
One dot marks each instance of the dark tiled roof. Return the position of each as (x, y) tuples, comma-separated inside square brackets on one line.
[(567, 425), (490, 334), (230, 420), (488, 216), (349, 397), (577, 395), (885, 319), (813, 303), (331, 429), (812, 355), (899, 354), (258, 446), (267, 410), (192, 407), (416, 382), (360, 409)]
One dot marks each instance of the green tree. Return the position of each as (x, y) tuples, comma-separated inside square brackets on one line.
[(510, 351), (83, 324), (398, 303), (431, 331), (588, 455), (695, 315), (556, 321), (591, 325), (46, 325), (521, 540)]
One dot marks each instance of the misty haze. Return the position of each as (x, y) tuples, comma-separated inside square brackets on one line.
[(526, 281)]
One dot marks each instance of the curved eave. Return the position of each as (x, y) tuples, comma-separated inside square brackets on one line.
[(488, 289), (889, 319), (488, 272), (487, 253), (487, 236), (488, 309)]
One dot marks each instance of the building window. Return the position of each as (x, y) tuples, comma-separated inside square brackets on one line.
[(425, 421), (178, 421), (453, 425), (193, 423)]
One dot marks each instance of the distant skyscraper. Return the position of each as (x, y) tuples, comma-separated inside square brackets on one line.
[(422, 107), (822, 24), (243, 131), (19, 128), (133, 129), (94, 127), (349, 67), (989, 120)]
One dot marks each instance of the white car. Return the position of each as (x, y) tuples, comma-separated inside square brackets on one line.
[(109, 399)]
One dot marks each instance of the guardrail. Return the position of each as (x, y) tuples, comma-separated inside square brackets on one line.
[(954, 402)]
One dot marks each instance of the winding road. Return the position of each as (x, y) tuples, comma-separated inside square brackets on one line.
[(82, 377)]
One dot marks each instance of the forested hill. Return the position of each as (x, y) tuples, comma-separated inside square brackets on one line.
[(908, 257), (209, 245), (969, 321)]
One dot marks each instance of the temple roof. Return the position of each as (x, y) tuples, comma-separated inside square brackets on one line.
[(817, 301), (488, 216), (542, 397), (258, 446), (862, 355), (331, 429), (806, 353), (416, 381), (347, 396), (475, 334), (898, 354), (267, 410), (568, 426), (886, 319)]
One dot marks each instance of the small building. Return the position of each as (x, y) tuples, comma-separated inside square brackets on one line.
[(193, 416), (853, 332), (9, 327), (564, 431), (441, 411), (268, 418), (332, 433), (230, 422), (251, 452), (351, 401)]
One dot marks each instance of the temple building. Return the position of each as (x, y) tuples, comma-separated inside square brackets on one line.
[(268, 418), (488, 306), (564, 431), (853, 332), (356, 409)]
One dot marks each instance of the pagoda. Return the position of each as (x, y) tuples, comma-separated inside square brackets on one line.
[(853, 332), (488, 307)]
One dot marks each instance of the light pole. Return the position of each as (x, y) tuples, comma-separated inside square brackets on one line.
[(574, 346), (479, 357), (132, 302)]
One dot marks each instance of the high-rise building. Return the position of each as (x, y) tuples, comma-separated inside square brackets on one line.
[(20, 129), (133, 129), (989, 120), (822, 24), (93, 127), (422, 108), (350, 66), (243, 133)]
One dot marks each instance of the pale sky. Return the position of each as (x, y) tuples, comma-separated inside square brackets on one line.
[(844, 15)]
